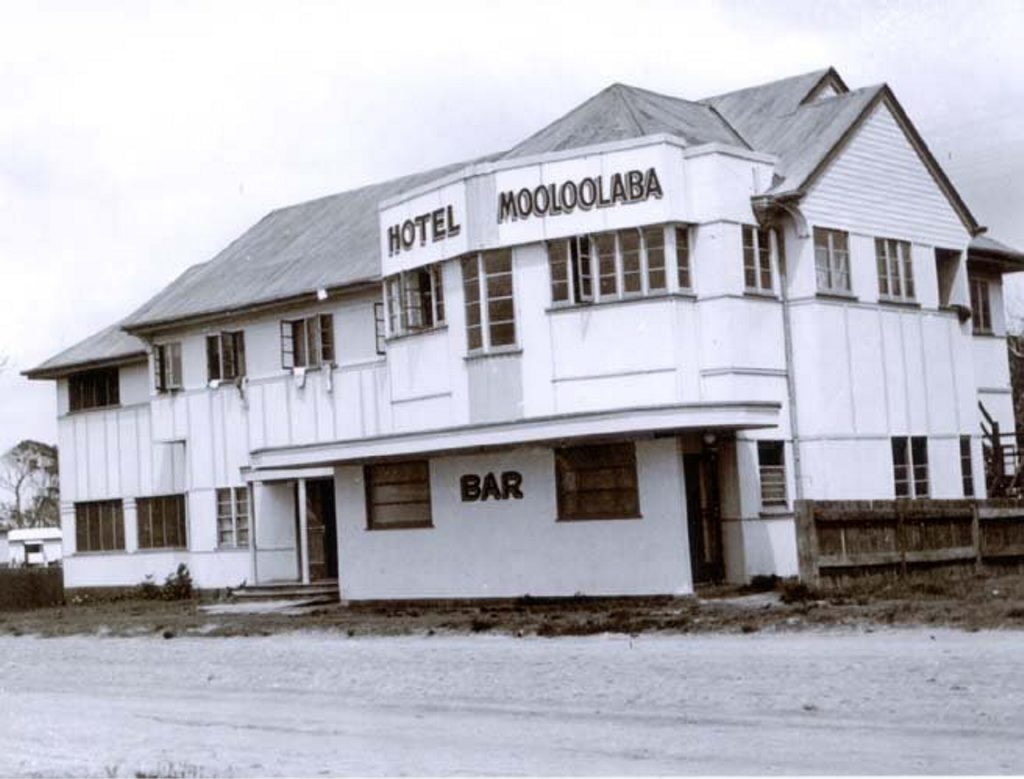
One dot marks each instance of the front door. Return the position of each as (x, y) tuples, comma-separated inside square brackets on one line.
[(703, 517), (321, 530)]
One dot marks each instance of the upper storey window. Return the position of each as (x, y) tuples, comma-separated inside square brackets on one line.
[(307, 342), (167, 367), (93, 389), (622, 264), (225, 356), (415, 300), (981, 306), (895, 269), (490, 304), (757, 260), (832, 260)]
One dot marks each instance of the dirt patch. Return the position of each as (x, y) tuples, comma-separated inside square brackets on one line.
[(969, 604)]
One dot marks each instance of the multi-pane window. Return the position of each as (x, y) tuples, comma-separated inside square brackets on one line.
[(398, 495), (99, 526), (597, 482), (93, 389), (167, 367), (490, 306), (415, 300), (626, 263), (233, 517), (225, 356), (308, 342), (910, 467), (981, 306), (832, 260), (771, 463), (966, 466), (378, 328), (161, 522), (757, 259), (895, 269)]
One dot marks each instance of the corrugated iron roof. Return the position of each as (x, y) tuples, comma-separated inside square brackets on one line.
[(109, 345), (987, 246)]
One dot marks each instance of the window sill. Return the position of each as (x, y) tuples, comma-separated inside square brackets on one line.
[(898, 302), (829, 294), (555, 308), (77, 411), (413, 333), (232, 549), (611, 518), (96, 552), (986, 334), (759, 294), (498, 351), (160, 549), (775, 512), (401, 526)]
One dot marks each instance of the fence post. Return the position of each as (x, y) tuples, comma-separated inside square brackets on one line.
[(976, 535), (807, 542)]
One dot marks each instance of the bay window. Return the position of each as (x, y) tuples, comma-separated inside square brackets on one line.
[(757, 260), (490, 304)]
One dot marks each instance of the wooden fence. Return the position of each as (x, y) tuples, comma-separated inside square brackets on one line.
[(839, 540)]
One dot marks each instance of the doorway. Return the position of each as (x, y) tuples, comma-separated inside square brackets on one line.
[(703, 516), (321, 530)]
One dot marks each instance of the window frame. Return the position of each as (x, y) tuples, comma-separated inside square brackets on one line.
[(94, 389), (907, 460), (571, 461), (477, 292), (415, 308), (105, 511), (981, 306), (894, 261), (758, 260), (312, 341), (238, 521), (147, 503), (167, 367), (776, 473), (373, 480), (966, 466), (836, 261), (218, 347)]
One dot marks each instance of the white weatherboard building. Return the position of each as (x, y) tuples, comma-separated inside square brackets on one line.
[(605, 361)]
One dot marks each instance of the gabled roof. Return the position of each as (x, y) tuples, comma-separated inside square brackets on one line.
[(110, 346), (620, 112), (982, 247)]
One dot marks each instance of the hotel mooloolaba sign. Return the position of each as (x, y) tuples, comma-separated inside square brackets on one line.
[(633, 186)]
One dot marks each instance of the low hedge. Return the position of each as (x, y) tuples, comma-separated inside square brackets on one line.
[(31, 588)]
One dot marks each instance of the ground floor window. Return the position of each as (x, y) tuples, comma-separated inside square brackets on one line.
[(966, 466), (99, 526), (771, 463), (161, 522), (398, 495), (233, 517), (598, 481), (910, 467)]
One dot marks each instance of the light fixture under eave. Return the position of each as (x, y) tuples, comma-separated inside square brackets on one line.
[(321, 294)]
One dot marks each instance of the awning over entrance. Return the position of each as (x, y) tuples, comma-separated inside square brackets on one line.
[(729, 415)]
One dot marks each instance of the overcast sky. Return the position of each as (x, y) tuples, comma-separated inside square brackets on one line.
[(139, 138)]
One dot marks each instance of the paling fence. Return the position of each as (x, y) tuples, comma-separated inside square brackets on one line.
[(843, 540)]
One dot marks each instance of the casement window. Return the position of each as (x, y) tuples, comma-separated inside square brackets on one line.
[(398, 495), (167, 367), (233, 517), (626, 263), (225, 356), (597, 482), (161, 522), (895, 269), (379, 334), (307, 342), (832, 260), (910, 467), (415, 300), (99, 526), (757, 260), (966, 466), (490, 305), (981, 307), (93, 389), (771, 463)]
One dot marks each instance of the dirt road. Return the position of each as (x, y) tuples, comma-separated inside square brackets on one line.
[(318, 704)]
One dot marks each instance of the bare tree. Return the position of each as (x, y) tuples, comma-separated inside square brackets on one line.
[(28, 472)]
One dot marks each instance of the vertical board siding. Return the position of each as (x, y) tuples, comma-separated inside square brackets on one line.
[(878, 185)]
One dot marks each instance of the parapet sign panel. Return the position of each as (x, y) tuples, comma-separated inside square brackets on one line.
[(588, 194), (424, 229)]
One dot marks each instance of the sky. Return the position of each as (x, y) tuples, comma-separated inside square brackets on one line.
[(137, 139)]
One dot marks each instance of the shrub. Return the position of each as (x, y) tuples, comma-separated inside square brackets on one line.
[(177, 586)]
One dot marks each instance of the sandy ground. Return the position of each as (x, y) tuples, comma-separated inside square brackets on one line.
[(307, 704)]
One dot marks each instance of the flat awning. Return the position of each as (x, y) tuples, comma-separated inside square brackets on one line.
[(668, 419)]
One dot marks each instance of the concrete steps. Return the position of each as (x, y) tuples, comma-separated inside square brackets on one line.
[(325, 591)]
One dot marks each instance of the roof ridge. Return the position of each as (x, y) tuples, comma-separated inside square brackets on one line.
[(820, 72), (620, 91)]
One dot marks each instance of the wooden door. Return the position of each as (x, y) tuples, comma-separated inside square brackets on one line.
[(321, 530), (703, 517)]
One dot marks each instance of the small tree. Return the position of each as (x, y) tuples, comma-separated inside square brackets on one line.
[(28, 472)]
